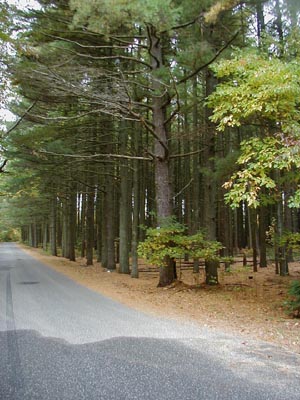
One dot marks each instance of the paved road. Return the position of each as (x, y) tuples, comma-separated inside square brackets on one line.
[(59, 340)]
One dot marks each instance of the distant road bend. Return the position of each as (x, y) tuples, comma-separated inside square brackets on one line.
[(59, 340)]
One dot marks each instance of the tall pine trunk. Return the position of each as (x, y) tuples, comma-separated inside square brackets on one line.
[(136, 209), (52, 226), (209, 204), (72, 220), (163, 195), (124, 205), (90, 210)]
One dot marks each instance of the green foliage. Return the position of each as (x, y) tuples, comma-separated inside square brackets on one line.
[(259, 157), (291, 240), (293, 305), (107, 17), (254, 86), (267, 91), (171, 240), (220, 6), (9, 235), (9, 223)]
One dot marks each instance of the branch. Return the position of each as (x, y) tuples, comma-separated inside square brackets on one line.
[(152, 34), (21, 118), (186, 78), (183, 189), (192, 22), (2, 167), (187, 154), (122, 156), (116, 57), (150, 128), (172, 115), (84, 46), (42, 118)]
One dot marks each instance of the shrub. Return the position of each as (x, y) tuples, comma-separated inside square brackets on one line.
[(171, 240), (293, 305)]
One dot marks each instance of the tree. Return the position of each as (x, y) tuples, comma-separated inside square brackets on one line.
[(171, 240), (158, 48), (267, 90), (118, 70)]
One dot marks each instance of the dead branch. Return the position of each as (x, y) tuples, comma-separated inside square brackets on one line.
[(85, 157), (21, 118), (183, 189), (2, 167), (226, 45)]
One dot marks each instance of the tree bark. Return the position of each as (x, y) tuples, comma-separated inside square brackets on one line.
[(83, 223), (161, 149), (90, 211), (253, 223), (209, 204), (72, 221), (124, 208), (65, 228), (110, 236), (262, 236), (45, 235), (136, 211), (52, 225), (282, 260), (104, 241)]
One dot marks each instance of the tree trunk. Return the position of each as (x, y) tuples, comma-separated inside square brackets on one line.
[(45, 236), (110, 236), (163, 195), (65, 229), (253, 225), (124, 205), (135, 212), (211, 272), (72, 221), (260, 18), (104, 241), (209, 204), (99, 222), (283, 265), (53, 246), (83, 223), (262, 236), (90, 210)]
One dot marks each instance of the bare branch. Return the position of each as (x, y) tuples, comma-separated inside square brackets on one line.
[(187, 154), (186, 78), (183, 189), (2, 167), (41, 118), (91, 156), (116, 57), (21, 118), (189, 23), (84, 46)]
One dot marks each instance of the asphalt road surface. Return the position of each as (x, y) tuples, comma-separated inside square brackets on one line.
[(59, 340)]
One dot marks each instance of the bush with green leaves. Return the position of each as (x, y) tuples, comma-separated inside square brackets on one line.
[(171, 240), (293, 305), (10, 235), (291, 240), (256, 87)]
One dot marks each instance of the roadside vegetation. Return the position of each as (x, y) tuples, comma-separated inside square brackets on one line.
[(165, 131)]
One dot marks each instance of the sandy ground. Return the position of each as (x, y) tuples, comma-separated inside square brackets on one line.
[(246, 303)]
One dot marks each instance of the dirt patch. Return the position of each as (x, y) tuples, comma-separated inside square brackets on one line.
[(244, 302)]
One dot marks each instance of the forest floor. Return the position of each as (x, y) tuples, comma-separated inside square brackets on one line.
[(247, 303)]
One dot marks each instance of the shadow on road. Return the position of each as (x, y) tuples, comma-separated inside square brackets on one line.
[(35, 367)]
